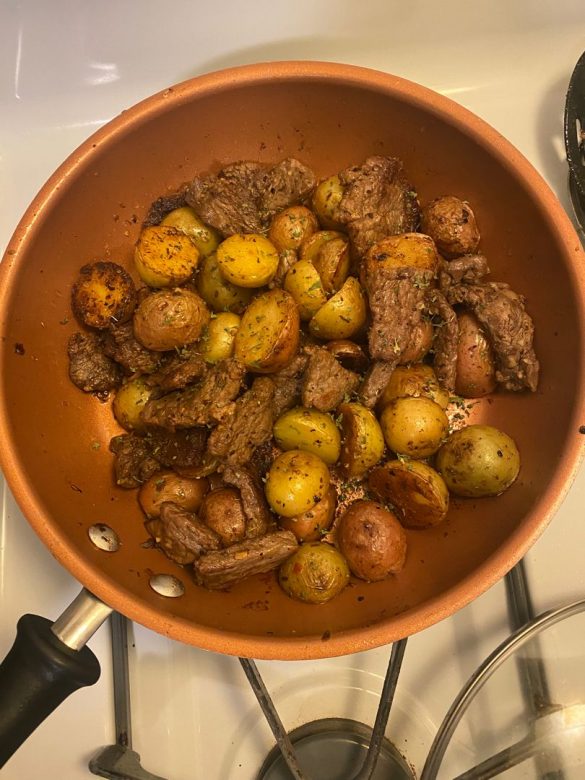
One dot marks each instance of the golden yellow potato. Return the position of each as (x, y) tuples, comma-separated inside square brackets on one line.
[(217, 292), (170, 318), (268, 337), (343, 315), (304, 284), (311, 247), (185, 219), (315, 522), (219, 338), (414, 381), (326, 199), (291, 227), (451, 223), (308, 430), (315, 573), (421, 340), (129, 402), (414, 426), (296, 481), (168, 486), (247, 259), (103, 294), (417, 492), (332, 262), (363, 442), (478, 460), (407, 250), (164, 256), (476, 372)]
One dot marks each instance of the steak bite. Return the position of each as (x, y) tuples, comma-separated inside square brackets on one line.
[(134, 461), (468, 269), (378, 201), (326, 382), (182, 449), (164, 205), (121, 345), (180, 534), (288, 383), (375, 381), (179, 370), (258, 517), (89, 368), (446, 339), (286, 184)]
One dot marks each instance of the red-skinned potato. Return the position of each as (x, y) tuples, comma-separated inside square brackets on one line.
[(476, 373), (168, 486), (315, 522)]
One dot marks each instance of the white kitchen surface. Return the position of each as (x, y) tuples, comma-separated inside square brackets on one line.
[(66, 67)]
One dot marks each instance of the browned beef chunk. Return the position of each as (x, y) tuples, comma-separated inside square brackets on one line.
[(286, 184), (288, 385), (164, 205), (178, 449), (396, 297), (258, 517), (121, 346), (179, 370), (375, 381), (468, 269), (89, 368), (181, 535), (326, 382), (134, 462), (378, 201), (501, 313), (262, 459), (247, 426), (208, 402), (217, 570), (445, 343)]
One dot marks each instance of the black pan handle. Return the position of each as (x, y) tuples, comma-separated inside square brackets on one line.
[(47, 662)]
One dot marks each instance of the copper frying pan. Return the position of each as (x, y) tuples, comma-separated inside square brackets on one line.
[(55, 439)]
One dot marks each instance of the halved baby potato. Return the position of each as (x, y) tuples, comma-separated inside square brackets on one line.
[(247, 259), (291, 227), (268, 337), (362, 442), (103, 294), (185, 219), (311, 247), (165, 256), (309, 430), (414, 381), (407, 250), (417, 492), (217, 292), (343, 315), (326, 199), (332, 262), (304, 284), (313, 524), (219, 338)]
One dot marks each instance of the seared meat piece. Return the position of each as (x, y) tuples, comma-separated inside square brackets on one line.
[(378, 201), (288, 385), (89, 368), (134, 462), (178, 449), (510, 330), (164, 205), (258, 517), (375, 381), (121, 345), (180, 534), (326, 382), (248, 425), (179, 370), (396, 297), (210, 401), (445, 343), (262, 459), (468, 269), (217, 570), (286, 184)]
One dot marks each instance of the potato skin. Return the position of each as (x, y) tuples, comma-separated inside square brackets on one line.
[(247, 259), (219, 294), (222, 511), (478, 461), (363, 441), (291, 227), (165, 256), (326, 198), (219, 337), (185, 219), (296, 482), (332, 263), (309, 430), (312, 524), (414, 381), (343, 315), (417, 492), (168, 486), (476, 373), (349, 354), (303, 282), (311, 247), (268, 337), (415, 427), (315, 573), (451, 223), (170, 318), (103, 294), (406, 250), (129, 402), (371, 540)]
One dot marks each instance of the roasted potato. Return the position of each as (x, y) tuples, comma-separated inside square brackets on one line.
[(349, 354), (268, 337), (308, 430), (205, 238), (170, 318), (478, 460), (311, 246), (363, 442), (217, 292), (416, 491), (451, 223), (407, 250), (414, 426), (332, 262), (129, 402), (291, 227), (421, 340), (165, 256), (414, 381), (476, 373), (168, 486), (315, 522), (343, 315), (219, 338), (103, 294), (371, 540), (326, 199), (315, 573), (223, 512), (304, 284), (296, 481), (247, 259)]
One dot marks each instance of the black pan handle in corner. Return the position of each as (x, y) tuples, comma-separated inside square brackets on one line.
[(39, 672)]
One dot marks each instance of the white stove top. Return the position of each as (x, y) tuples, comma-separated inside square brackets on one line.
[(66, 68)]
